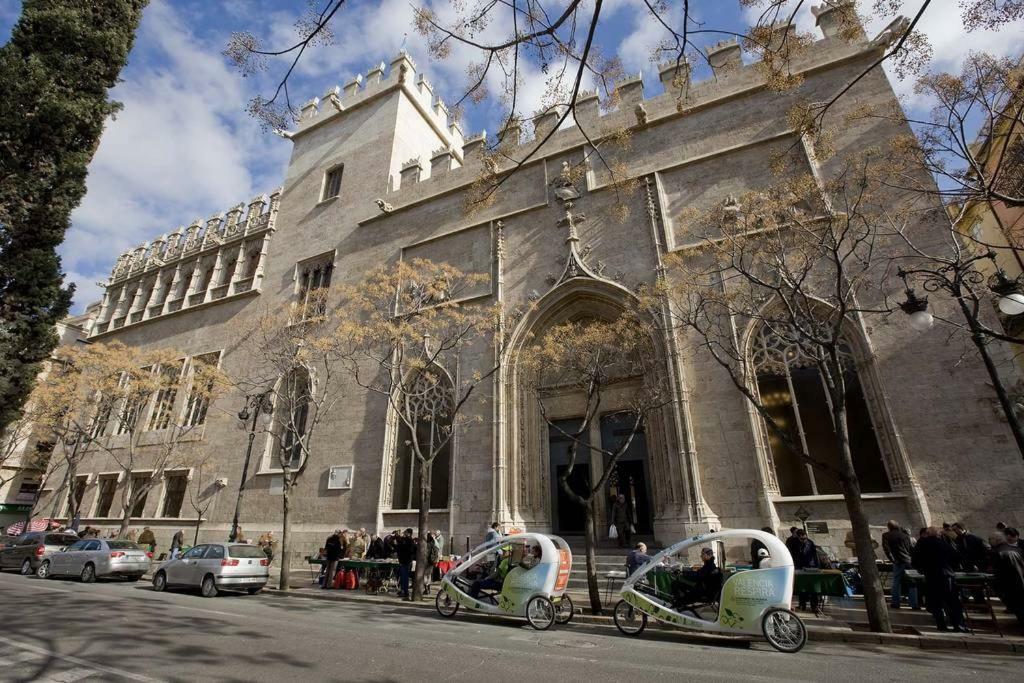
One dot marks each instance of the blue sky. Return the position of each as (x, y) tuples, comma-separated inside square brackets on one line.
[(183, 147)]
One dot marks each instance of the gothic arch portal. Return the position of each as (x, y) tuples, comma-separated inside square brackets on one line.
[(522, 482)]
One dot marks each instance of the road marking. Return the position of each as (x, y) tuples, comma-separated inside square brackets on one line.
[(18, 658), (67, 676), (94, 668)]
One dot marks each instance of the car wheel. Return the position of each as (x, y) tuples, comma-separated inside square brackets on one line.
[(44, 570), (88, 574), (254, 590), (26, 567), (159, 581), (209, 588)]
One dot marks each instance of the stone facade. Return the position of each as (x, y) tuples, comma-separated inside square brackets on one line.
[(405, 171)]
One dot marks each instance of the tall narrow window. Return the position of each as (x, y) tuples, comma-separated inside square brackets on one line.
[(108, 486), (314, 279), (198, 402), (175, 484), (139, 483), (794, 394), (432, 401), (293, 416), (77, 493), (163, 408), (332, 183)]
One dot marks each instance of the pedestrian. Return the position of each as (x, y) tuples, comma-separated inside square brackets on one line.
[(974, 555), (130, 536), (147, 539), (177, 541), (240, 536), (433, 557), (1012, 537), (637, 558), (793, 542), (757, 545), (439, 540), (405, 548), (935, 559), (332, 553), (358, 546), (266, 542), (375, 550), (898, 547), (806, 557), (1008, 566), (494, 533), (622, 518)]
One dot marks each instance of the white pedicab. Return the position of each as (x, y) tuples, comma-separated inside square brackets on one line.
[(522, 575), (754, 602)]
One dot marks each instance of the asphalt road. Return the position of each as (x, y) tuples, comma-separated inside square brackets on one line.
[(61, 630)]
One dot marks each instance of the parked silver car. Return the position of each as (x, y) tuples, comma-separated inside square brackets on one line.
[(213, 567), (28, 551), (95, 557)]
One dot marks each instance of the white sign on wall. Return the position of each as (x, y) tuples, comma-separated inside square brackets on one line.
[(340, 477)]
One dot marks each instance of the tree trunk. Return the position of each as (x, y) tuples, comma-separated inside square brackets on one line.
[(424, 518), (195, 539), (126, 518), (874, 594), (286, 525), (58, 492), (590, 539)]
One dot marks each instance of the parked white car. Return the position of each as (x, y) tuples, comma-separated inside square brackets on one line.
[(213, 567), (93, 558)]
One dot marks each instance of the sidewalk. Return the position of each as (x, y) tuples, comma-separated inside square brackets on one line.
[(819, 629)]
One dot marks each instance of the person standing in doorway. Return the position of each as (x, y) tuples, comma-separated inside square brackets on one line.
[(806, 557), (406, 549), (899, 547), (622, 518)]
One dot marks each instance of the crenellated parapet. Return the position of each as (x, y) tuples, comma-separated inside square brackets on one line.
[(628, 107), (206, 261)]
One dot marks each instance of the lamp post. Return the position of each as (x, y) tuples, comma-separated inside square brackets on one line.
[(958, 280), (257, 406)]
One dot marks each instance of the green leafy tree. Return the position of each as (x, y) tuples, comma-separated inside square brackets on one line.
[(63, 57)]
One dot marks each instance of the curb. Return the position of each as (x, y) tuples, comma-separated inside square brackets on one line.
[(819, 634)]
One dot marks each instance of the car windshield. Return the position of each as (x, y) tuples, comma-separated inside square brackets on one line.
[(60, 539), (250, 551), (123, 545)]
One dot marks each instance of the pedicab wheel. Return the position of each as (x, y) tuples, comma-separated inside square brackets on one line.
[(446, 607), (564, 610), (628, 619), (540, 612), (784, 630)]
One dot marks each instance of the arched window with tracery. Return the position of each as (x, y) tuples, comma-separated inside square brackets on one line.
[(430, 402), (793, 392), (293, 415)]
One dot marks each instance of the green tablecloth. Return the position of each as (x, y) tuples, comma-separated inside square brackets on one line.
[(366, 564), (824, 582)]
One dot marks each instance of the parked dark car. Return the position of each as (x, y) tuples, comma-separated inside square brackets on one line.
[(30, 549)]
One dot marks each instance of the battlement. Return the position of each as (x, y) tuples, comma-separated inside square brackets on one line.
[(401, 72), (628, 107), (220, 228)]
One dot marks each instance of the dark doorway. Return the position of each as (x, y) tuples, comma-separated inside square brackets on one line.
[(629, 478), (567, 516)]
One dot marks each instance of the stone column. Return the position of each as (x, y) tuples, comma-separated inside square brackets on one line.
[(218, 264), (257, 276), (255, 211), (194, 281), (175, 279), (236, 274), (154, 294)]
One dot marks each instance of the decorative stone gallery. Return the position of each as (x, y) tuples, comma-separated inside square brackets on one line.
[(379, 172)]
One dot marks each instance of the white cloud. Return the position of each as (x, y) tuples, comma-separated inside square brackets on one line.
[(182, 147)]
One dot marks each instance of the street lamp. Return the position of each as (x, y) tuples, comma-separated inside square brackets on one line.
[(1010, 298), (261, 410), (916, 307)]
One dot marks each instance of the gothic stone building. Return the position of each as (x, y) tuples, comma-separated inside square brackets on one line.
[(928, 440)]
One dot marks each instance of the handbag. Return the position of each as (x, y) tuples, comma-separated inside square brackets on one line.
[(613, 533)]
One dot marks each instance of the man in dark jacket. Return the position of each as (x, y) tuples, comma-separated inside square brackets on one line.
[(973, 555), (332, 553), (622, 518), (806, 557), (898, 546), (405, 548), (1008, 566), (793, 543), (934, 558), (375, 551), (637, 558)]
